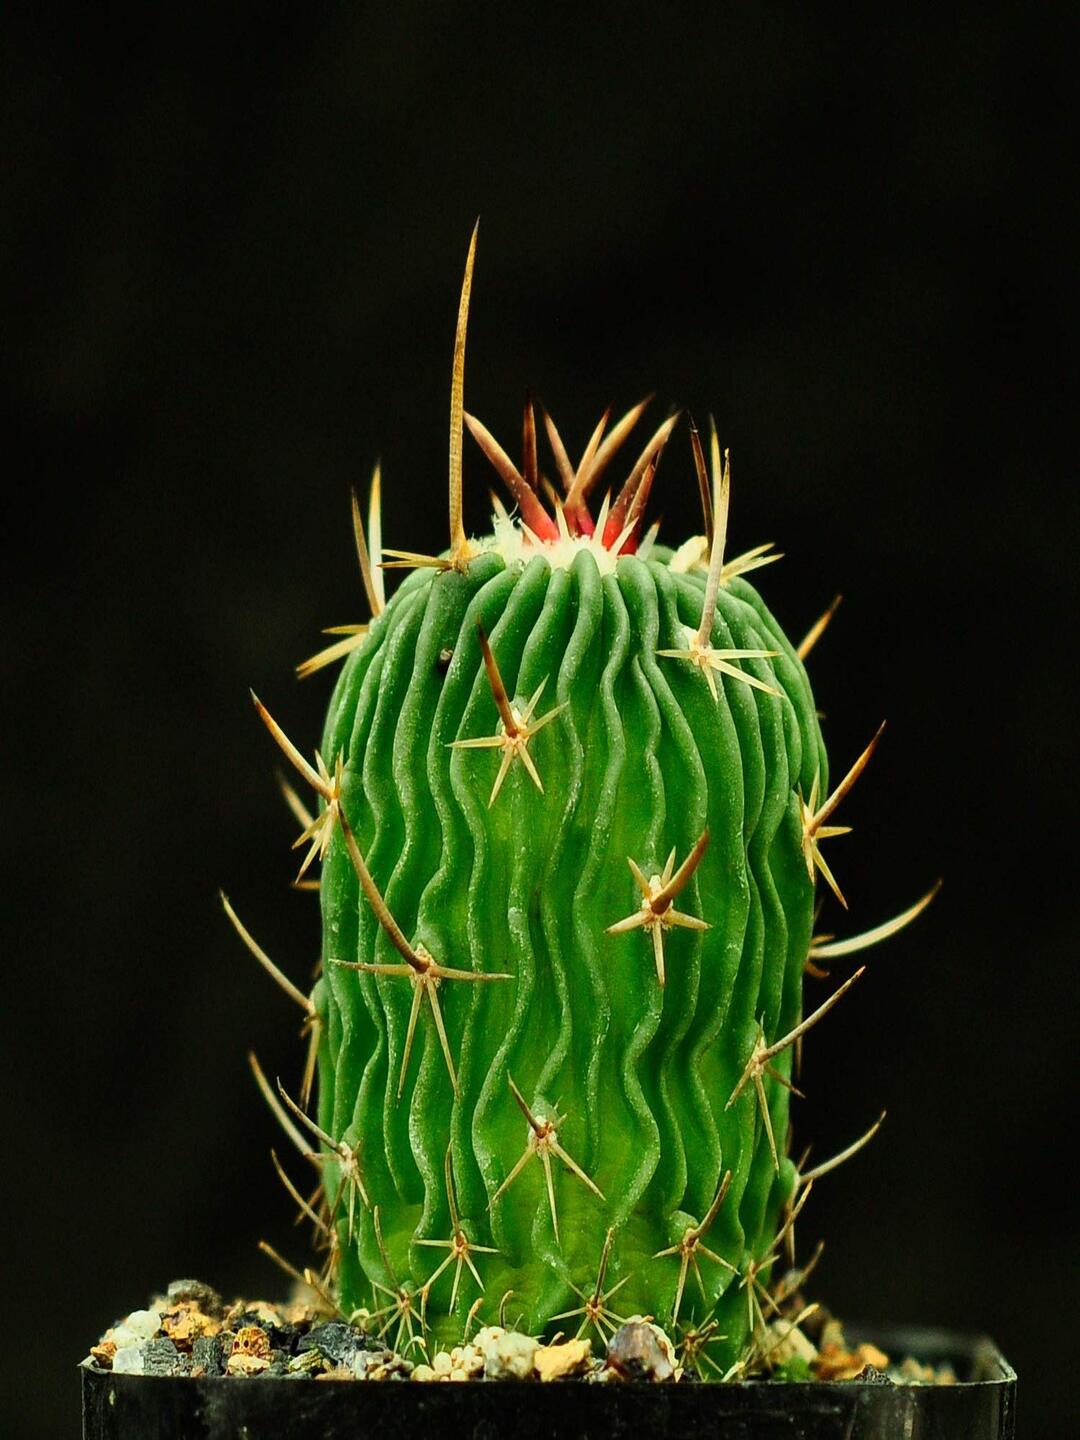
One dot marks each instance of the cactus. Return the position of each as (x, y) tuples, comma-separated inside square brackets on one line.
[(570, 823)]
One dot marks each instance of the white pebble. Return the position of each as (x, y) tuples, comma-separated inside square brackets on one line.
[(128, 1360), (509, 1356), (139, 1325)]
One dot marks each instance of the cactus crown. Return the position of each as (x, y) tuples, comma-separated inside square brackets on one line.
[(570, 823)]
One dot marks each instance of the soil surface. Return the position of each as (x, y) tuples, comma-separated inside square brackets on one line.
[(192, 1331)]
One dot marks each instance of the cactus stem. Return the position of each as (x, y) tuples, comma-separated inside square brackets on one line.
[(691, 1244), (420, 967), (594, 1308), (346, 1156), (402, 1307), (814, 816), (655, 912), (418, 960), (544, 1143), (516, 728), (376, 901), (425, 973), (459, 1247), (762, 1054), (824, 947), (820, 625), (312, 1025)]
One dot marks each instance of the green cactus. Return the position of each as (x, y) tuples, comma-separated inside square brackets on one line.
[(569, 828)]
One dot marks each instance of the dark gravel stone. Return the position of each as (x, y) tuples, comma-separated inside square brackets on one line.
[(335, 1340), (286, 1338), (871, 1375), (208, 1353), (161, 1357)]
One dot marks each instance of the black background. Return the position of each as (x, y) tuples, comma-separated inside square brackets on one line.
[(232, 246)]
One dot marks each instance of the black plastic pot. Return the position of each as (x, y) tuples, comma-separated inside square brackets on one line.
[(980, 1407)]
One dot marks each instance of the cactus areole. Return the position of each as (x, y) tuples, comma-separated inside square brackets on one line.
[(571, 793)]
